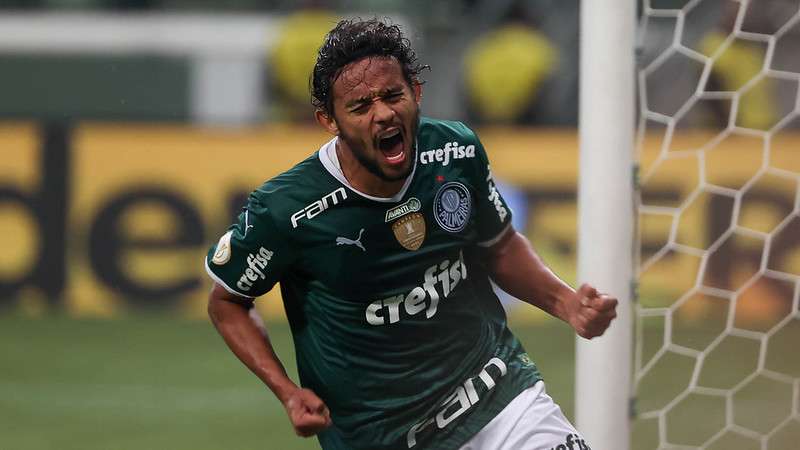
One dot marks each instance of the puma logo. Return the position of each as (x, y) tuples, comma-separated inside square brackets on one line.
[(247, 224), (357, 242)]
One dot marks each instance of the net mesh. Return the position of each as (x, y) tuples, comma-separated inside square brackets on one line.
[(717, 354)]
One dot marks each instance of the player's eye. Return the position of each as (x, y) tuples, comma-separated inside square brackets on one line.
[(393, 96)]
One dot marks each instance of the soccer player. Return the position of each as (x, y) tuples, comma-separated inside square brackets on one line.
[(384, 242)]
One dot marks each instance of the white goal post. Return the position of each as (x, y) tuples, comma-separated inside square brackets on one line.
[(715, 213), (606, 224)]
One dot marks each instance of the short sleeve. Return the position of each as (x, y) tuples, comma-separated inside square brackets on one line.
[(493, 216), (252, 255)]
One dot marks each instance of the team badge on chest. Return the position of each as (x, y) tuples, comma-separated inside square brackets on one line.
[(452, 206)]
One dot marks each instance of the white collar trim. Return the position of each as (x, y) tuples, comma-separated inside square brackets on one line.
[(330, 160)]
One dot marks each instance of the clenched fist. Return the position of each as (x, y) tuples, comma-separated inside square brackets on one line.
[(590, 312), (307, 412)]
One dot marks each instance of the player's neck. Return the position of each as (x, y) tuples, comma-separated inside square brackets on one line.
[(362, 179)]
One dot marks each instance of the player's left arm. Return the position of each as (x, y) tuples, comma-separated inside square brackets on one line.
[(517, 269), (515, 266)]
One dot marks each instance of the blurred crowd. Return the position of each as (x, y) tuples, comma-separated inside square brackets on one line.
[(509, 62), (492, 61)]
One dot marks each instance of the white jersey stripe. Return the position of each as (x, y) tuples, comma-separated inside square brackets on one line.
[(219, 281)]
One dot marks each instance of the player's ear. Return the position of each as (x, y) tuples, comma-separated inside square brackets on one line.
[(417, 87), (327, 121)]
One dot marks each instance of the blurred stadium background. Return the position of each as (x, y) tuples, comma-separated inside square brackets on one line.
[(131, 132)]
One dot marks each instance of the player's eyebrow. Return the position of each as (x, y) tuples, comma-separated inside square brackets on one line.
[(356, 102)]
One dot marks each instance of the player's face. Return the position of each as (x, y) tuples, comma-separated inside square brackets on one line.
[(375, 115)]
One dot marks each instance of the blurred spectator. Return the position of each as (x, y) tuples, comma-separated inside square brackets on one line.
[(130, 4), (735, 67), (292, 60), (505, 69), (22, 4)]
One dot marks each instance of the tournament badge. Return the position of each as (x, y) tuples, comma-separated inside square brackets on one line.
[(409, 228), (452, 206), (223, 253)]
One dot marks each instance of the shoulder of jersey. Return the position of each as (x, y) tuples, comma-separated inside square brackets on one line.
[(445, 129), (293, 190), (446, 142)]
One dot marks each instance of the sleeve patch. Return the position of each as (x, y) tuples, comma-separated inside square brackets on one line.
[(223, 252)]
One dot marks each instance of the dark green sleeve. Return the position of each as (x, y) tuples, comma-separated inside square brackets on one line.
[(252, 255), (493, 215)]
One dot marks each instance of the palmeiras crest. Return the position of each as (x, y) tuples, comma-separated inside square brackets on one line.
[(452, 206)]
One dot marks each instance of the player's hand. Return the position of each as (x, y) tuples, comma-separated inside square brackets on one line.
[(591, 312), (307, 412)]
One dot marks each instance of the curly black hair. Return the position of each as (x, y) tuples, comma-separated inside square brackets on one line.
[(352, 40)]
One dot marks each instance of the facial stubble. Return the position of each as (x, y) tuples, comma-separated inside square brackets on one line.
[(360, 152)]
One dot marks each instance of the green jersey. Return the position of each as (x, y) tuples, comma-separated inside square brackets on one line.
[(395, 323)]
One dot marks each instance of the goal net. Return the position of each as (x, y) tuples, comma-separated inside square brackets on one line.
[(717, 348)]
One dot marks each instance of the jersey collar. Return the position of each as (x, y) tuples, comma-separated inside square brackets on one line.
[(330, 160)]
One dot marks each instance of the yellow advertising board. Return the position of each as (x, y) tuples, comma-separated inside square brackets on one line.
[(142, 203), (18, 169), (720, 212), (172, 192)]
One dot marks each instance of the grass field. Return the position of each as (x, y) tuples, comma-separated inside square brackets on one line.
[(146, 382)]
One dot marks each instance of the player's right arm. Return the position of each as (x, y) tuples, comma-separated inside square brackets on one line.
[(230, 315), (246, 263)]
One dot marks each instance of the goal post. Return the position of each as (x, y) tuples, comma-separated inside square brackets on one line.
[(606, 219)]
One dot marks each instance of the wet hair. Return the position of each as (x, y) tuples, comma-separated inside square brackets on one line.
[(353, 40)]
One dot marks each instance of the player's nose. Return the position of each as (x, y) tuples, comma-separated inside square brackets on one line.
[(383, 112)]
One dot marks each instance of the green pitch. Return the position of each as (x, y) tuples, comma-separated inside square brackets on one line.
[(148, 382), (157, 383)]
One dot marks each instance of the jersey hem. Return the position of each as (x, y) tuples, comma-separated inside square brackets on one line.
[(497, 238), (511, 414), (457, 443), (219, 281)]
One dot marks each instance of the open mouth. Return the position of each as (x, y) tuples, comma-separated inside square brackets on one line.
[(391, 145)]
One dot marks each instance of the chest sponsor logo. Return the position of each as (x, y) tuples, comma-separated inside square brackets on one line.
[(440, 278), (223, 252), (572, 442), (409, 231), (450, 151), (319, 206), (256, 265), (494, 196), (461, 399), (452, 206), (411, 205)]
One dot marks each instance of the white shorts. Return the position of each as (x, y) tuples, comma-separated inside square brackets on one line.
[(532, 421)]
